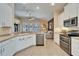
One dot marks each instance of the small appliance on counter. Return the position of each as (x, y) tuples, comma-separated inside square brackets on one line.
[(49, 35), (16, 27)]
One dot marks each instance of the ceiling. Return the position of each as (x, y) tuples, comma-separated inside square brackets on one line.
[(29, 9)]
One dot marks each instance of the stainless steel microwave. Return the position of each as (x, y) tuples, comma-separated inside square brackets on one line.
[(71, 22)]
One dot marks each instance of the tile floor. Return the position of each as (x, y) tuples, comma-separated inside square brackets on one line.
[(51, 49)]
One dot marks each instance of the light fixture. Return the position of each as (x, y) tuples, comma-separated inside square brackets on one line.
[(52, 4), (37, 7)]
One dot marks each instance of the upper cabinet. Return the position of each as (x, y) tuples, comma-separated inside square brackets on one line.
[(71, 10), (6, 15), (66, 11), (60, 19), (78, 14), (71, 15)]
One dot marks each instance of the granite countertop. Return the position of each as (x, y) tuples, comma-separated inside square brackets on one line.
[(12, 35), (9, 36), (74, 34), (71, 34)]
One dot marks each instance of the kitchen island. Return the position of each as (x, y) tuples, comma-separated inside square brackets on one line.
[(13, 43)]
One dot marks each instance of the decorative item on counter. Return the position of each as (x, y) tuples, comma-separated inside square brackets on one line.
[(64, 30), (57, 30)]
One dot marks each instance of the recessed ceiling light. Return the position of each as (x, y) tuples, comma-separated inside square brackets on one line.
[(37, 8), (52, 4)]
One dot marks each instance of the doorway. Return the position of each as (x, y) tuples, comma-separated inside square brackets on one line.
[(50, 32)]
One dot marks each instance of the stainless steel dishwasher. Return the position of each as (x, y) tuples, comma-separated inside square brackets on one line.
[(39, 39)]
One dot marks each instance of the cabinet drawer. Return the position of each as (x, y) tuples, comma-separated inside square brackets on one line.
[(66, 39), (65, 45)]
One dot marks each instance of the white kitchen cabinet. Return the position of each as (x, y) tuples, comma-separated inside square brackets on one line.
[(75, 46), (0, 50), (60, 19), (71, 10), (34, 39), (56, 38), (19, 43), (67, 11), (13, 45), (78, 14), (0, 21), (8, 47), (6, 15), (28, 40), (23, 42)]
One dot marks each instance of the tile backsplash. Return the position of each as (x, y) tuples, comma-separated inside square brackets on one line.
[(4, 31)]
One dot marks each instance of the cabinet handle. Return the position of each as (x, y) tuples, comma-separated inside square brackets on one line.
[(3, 49), (20, 39)]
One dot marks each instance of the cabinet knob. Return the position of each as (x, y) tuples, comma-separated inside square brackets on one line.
[(20, 39), (0, 50)]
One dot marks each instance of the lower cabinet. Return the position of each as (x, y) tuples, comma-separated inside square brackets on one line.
[(75, 46), (24, 42), (13, 45), (0, 49), (19, 43), (7, 48), (65, 43)]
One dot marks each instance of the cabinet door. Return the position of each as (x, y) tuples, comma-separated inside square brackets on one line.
[(6, 15), (73, 10), (78, 14), (0, 50), (8, 48), (67, 11), (19, 43), (0, 21), (33, 40), (28, 40), (75, 46), (61, 20)]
